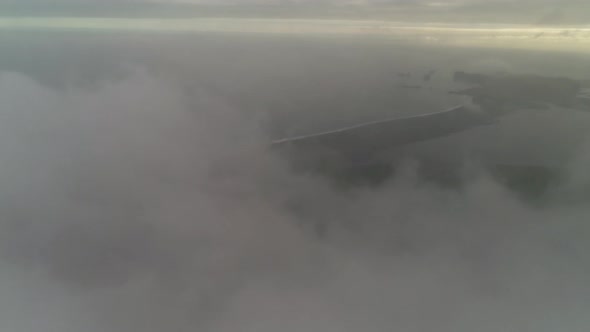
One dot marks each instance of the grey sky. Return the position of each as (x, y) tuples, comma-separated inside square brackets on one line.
[(267, 1)]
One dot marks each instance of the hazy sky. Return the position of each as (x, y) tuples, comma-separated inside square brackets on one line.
[(262, 1), (312, 2)]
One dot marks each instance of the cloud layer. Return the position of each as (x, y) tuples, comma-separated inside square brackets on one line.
[(126, 209)]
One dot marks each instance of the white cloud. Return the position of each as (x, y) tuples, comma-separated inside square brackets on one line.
[(117, 216)]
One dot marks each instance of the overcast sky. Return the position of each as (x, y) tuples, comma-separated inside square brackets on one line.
[(264, 1)]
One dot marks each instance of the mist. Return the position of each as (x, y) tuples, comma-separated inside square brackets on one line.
[(141, 196)]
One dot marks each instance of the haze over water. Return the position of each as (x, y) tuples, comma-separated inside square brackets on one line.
[(136, 193)]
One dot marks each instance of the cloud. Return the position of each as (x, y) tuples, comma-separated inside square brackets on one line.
[(336, 2), (131, 206)]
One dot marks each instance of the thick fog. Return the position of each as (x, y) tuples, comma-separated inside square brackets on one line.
[(138, 196)]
